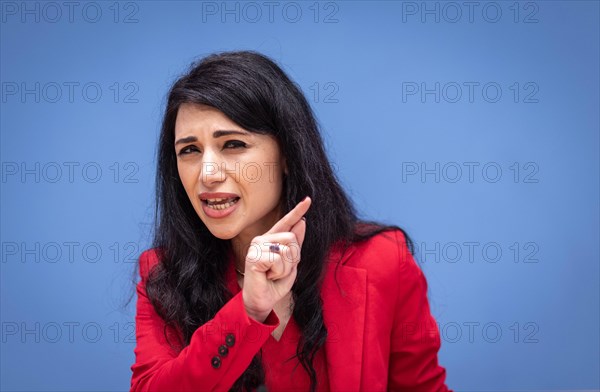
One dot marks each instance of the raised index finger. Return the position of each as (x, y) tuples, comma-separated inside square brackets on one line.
[(291, 218)]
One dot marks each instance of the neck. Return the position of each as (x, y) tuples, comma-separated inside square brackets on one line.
[(240, 250)]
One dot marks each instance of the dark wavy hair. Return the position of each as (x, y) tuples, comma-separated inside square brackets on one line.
[(188, 287)]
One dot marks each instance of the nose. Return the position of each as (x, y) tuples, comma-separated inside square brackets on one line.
[(212, 170)]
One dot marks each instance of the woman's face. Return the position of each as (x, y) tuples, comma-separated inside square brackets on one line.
[(232, 177)]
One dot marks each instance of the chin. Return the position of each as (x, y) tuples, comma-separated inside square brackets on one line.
[(222, 233), (223, 236)]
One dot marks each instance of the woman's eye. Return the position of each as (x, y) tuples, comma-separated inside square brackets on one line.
[(186, 150), (234, 144)]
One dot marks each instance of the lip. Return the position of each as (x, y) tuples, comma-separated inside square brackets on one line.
[(216, 195), (217, 214)]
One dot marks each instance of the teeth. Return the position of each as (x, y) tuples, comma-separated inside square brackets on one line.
[(221, 206)]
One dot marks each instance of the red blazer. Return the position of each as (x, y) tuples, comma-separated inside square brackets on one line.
[(381, 334)]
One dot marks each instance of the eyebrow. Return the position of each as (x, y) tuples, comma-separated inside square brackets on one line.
[(216, 134)]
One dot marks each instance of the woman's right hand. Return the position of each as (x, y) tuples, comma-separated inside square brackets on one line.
[(269, 276)]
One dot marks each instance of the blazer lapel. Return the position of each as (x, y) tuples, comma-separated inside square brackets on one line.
[(344, 310)]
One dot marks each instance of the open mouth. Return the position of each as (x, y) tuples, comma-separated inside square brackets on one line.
[(220, 204)]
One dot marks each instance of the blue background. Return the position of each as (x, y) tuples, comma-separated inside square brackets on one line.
[(521, 312)]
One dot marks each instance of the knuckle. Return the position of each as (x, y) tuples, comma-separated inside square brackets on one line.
[(263, 265), (289, 237)]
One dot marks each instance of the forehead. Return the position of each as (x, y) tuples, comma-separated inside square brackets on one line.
[(195, 118)]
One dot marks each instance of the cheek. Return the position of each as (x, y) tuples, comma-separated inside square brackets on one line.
[(270, 184), (187, 177), (262, 183)]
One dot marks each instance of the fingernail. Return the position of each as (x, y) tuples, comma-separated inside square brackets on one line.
[(305, 197), (304, 219)]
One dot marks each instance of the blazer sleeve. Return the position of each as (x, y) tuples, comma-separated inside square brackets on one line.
[(415, 338), (219, 351)]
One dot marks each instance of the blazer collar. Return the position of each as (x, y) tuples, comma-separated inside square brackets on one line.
[(344, 294)]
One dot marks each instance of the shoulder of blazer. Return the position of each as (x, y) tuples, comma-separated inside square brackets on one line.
[(374, 253), (148, 260)]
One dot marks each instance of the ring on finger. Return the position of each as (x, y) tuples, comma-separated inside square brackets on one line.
[(274, 247)]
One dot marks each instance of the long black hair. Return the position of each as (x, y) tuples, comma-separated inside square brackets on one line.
[(188, 287)]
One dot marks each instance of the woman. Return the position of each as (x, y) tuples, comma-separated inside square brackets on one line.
[(261, 275)]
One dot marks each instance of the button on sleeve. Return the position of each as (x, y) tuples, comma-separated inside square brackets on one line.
[(230, 340), (223, 350), (216, 362)]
